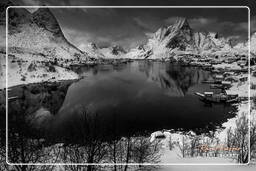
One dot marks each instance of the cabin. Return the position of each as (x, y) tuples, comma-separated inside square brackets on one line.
[(231, 79), (241, 62), (219, 78), (231, 96), (207, 64), (230, 60), (217, 71), (208, 94), (159, 135), (243, 79), (228, 74), (226, 83)]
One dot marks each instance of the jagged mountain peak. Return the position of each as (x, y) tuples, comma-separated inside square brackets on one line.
[(117, 49), (181, 38), (40, 32), (93, 46), (181, 23), (43, 17), (43, 11)]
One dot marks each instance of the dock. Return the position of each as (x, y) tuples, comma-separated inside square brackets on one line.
[(218, 98)]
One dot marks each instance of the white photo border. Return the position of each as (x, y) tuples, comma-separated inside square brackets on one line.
[(129, 164)]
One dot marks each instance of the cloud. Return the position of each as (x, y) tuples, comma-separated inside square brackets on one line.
[(145, 24), (202, 22), (226, 28), (211, 24), (170, 20), (77, 37), (81, 38), (126, 26), (148, 22), (141, 23)]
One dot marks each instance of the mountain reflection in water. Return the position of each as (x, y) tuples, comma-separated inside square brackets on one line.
[(138, 98), (113, 109)]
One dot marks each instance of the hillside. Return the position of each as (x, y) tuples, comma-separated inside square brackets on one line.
[(37, 48)]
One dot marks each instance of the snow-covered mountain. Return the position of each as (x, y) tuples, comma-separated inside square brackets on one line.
[(180, 38), (96, 52), (115, 51), (91, 50), (37, 48), (39, 32)]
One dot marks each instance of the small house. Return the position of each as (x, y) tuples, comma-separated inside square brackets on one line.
[(219, 78), (208, 94), (243, 79), (226, 83)]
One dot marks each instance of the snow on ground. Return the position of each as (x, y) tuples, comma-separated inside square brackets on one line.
[(233, 66), (19, 74), (243, 108), (207, 167), (242, 89), (173, 155), (30, 68), (174, 158)]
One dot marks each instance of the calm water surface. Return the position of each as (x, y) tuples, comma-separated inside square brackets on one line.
[(138, 98)]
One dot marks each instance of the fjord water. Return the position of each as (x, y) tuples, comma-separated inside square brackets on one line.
[(138, 98)]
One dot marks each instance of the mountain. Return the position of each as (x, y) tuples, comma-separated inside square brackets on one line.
[(115, 51), (39, 32), (180, 38), (111, 52), (92, 50), (37, 48)]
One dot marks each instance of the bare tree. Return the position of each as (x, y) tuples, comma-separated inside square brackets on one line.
[(239, 138), (144, 151)]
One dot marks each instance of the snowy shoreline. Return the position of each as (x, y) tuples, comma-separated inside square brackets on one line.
[(240, 88)]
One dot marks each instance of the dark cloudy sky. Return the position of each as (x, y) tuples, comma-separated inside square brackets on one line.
[(130, 26)]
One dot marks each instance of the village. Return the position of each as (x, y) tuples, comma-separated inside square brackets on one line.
[(234, 78)]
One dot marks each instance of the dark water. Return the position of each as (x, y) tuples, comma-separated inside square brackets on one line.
[(138, 98)]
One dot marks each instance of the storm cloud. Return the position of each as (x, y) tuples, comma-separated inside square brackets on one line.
[(129, 27)]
